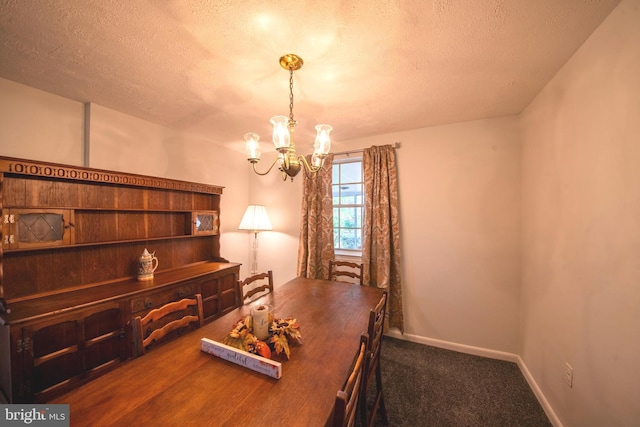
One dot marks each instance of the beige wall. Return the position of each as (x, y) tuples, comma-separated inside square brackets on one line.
[(40, 126), (278, 249), (459, 219), (581, 229)]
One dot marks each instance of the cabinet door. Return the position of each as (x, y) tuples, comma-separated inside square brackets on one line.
[(219, 294), (64, 351), (208, 286), (228, 293), (36, 228), (205, 222), (104, 343)]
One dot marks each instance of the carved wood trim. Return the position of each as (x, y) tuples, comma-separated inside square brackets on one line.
[(53, 170)]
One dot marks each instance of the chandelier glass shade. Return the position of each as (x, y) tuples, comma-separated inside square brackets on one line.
[(288, 160)]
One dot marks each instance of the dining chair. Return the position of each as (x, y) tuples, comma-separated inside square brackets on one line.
[(340, 269), (173, 316), (252, 285), (348, 399), (375, 330)]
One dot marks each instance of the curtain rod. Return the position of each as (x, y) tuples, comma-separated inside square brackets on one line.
[(396, 145)]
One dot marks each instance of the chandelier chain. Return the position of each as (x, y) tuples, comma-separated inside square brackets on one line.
[(291, 96)]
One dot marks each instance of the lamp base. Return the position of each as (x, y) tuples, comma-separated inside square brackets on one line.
[(254, 254)]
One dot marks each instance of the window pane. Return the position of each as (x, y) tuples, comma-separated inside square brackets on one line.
[(335, 193), (348, 217), (356, 191), (351, 172), (348, 239), (336, 218), (358, 239), (350, 194)]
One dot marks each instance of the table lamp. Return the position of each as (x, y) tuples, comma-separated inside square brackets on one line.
[(255, 219)]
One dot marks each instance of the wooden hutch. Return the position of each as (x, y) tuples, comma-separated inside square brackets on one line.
[(70, 242)]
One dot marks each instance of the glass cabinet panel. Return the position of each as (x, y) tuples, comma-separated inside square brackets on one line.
[(205, 222), (35, 228)]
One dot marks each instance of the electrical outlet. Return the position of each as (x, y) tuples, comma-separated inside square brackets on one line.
[(568, 374)]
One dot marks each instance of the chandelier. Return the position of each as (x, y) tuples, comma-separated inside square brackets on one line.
[(283, 136)]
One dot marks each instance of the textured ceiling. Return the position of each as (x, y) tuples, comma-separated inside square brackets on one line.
[(371, 66)]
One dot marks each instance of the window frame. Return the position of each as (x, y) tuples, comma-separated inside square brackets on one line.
[(351, 158)]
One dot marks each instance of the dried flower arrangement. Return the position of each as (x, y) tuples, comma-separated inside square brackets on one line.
[(280, 332)]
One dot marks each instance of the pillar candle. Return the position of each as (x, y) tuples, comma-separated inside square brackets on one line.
[(260, 321)]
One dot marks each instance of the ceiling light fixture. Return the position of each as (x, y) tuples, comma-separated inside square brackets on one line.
[(283, 131)]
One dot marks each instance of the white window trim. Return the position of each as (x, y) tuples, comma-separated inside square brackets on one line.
[(348, 253)]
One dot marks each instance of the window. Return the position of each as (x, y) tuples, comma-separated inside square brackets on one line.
[(348, 204)]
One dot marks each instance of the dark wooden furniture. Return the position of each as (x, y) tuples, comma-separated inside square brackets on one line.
[(374, 330), (253, 285), (340, 269), (348, 400), (70, 241), (174, 317), (195, 388)]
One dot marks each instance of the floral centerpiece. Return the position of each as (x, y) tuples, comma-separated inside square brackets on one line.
[(280, 332)]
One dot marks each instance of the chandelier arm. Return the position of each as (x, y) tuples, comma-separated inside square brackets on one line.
[(268, 170), (310, 170)]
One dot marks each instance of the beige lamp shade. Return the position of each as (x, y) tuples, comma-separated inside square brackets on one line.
[(255, 219)]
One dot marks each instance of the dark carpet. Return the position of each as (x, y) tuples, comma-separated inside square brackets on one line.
[(430, 386)]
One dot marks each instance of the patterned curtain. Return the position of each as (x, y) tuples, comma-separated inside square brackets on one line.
[(381, 228), (315, 248)]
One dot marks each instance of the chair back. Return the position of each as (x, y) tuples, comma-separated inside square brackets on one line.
[(253, 285), (376, 327), (375, 331), (338, 270), (173, 316), (348, 399)]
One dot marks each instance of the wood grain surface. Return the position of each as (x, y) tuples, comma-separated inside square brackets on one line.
[(178, 385)]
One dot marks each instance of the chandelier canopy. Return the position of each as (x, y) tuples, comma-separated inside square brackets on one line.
[(283, 136)]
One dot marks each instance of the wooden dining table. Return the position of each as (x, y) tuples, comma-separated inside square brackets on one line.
[(177, 384)]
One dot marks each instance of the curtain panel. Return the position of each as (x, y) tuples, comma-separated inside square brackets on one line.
[(381, 228), (315, 248)]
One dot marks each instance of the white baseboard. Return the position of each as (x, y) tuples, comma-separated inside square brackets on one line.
[(492, 354), (462, 348), (541, 398)]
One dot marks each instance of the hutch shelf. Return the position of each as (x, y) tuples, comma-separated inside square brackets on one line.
[(70, 241)]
